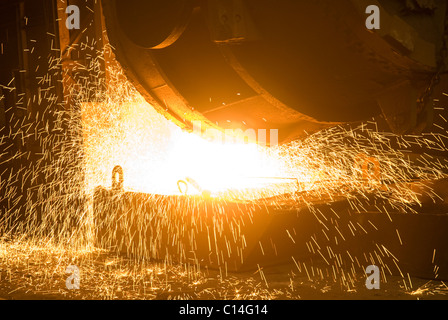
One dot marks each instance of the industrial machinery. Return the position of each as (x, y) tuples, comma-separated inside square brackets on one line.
[(295, 66)]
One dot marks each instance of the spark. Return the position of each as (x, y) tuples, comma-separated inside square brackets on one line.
[(53, 224)]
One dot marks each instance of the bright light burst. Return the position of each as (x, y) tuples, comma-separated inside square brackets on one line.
[(122, 129), (155, 154)]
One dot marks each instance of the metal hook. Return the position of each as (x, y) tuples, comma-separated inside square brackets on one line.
[(117, 183), (179, 183)]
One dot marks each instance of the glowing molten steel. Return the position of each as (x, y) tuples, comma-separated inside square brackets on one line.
[(157, 157), (155, 154)]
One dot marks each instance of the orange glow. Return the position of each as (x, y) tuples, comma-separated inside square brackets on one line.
[(123, 129), (155, 154)]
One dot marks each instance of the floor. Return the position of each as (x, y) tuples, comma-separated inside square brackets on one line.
[(39, 273)]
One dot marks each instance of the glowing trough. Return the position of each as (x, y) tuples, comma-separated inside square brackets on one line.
[(329, 236)]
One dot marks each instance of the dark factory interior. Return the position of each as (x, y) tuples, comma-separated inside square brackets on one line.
[(223, 150)]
